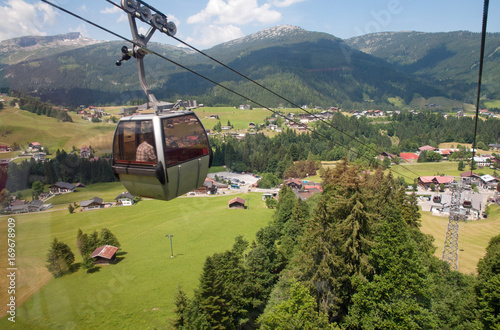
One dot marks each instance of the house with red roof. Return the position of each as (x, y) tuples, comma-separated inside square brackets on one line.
[(104, 255), (426, 181), (408, 157), (35, 146)]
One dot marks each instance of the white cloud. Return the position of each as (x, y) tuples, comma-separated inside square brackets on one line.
[(285, 3), (83, 8), (122, 18), (238, 12), (111, 10), (20, 18), (215, 34)]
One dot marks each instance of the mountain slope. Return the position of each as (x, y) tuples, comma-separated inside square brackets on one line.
[(306, 67), (20, 49), (450, 58)]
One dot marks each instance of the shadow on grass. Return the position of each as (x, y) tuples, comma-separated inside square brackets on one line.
[(117, 260), (93, 270), (74, 267)]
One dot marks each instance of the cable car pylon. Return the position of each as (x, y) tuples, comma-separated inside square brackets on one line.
[(450, 250)]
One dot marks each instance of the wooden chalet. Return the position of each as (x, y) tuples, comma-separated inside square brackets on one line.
[(237, 203), (124, 199), (92, 204), (104, 255), (62, 187), (293, 183)]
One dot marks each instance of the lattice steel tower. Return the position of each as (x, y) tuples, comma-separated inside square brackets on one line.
[(450, 251)]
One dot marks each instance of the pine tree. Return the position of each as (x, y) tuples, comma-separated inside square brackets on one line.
[(106, 237), (299, 311), (181, 304), (488, 285), (59, 258), (80, 241)]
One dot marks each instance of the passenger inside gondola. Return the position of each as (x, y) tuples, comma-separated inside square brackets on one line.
[(145, 151)]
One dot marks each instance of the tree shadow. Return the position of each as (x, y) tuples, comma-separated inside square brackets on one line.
[(121, 253), (93, 270), (74, 267)]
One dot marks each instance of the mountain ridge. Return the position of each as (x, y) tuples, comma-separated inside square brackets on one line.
[(318, 67)]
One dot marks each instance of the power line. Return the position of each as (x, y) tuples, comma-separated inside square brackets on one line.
[(481, 60), (220, 85)]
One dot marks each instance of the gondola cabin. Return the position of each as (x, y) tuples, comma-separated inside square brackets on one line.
[(161, 156)]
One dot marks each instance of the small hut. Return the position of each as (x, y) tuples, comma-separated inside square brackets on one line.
[(104, 255), (237, 203)]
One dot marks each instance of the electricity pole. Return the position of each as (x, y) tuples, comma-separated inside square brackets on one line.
[(171, 250)]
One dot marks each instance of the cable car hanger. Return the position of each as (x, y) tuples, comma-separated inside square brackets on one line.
[(162, 155), (157, 21)]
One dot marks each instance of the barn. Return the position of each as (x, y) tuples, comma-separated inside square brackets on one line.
[(237, 203), (104, 255)]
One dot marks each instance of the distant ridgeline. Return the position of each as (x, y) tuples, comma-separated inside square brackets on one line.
[(34, 105), (63, 167)]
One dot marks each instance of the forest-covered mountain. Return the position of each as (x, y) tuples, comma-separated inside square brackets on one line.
[(306, 67), (450, 58)]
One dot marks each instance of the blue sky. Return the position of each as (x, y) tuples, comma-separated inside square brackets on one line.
[(205, 23)]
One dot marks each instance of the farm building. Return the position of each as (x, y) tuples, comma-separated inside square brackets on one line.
[(489, 182), (62, 187), (409, 157), (124, 199), (92, 204), (437, 180), (237, 203), (104, 255)]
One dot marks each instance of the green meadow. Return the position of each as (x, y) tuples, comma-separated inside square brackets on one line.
[(473, 237), (136, 292), (238, 118), (24, 127)]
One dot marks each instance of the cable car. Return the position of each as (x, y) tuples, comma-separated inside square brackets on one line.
[(163, 154)]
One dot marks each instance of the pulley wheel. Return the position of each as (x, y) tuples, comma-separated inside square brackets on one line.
[(145, 14), (171, 29), (130, 6), (158, 21)]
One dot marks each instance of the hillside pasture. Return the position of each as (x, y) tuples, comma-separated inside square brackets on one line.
[(137, 292), (107, 191), (24, 127), (238, 118)]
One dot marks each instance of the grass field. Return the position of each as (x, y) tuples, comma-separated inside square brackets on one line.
[(238, 118), (106, 191), (137, 292), (473, 237), (24, 127)]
